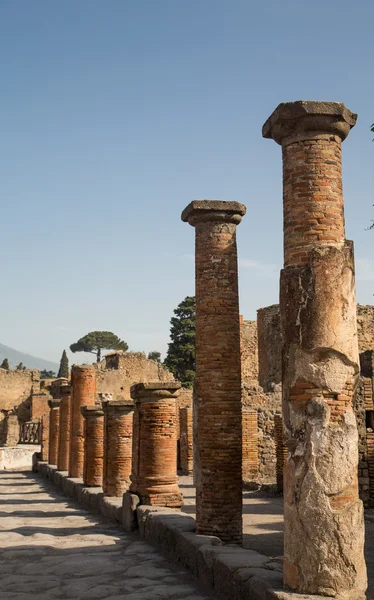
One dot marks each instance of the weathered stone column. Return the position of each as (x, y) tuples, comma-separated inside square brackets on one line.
[(217, 408), (118, 418), (324, 528), (154, 468), (281, 451), (65, 425), (83, 379), (54, 430), (93, 445), (186, 440)]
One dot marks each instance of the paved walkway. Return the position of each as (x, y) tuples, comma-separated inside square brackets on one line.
[(52, 549), (263, 525)]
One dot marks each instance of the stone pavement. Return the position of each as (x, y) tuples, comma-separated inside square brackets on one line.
[(263, 525), (52, 549)]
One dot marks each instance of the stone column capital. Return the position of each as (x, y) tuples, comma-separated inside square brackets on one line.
[(83, 368), (307, 119), (155, 391), (92, 411), (54, 403), (65, 390), (121, 405), (223, 211)]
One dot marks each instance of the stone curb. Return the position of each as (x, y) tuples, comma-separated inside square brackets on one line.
[(233, 573)]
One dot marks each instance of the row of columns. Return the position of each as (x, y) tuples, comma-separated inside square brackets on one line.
[(324, 529), (120, 445)]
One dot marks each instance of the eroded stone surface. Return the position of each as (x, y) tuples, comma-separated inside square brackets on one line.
[(52, 550)]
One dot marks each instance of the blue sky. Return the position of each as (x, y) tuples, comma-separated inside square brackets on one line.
[(115, 114)]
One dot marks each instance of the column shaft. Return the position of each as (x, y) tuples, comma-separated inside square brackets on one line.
[(324, 528), (218, 369), (54, 431), (45, 437), (93, 445), (83, 379), (65, 424), (118, 426), (154, 469)]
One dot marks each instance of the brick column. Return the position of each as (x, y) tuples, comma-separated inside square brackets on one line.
[(186, 440), (45, 437), (65, 424), (324, 528), (93, 445), (118, 418), (250, 444), (154, 468), (218, 455), (83, 378), (54, 430)]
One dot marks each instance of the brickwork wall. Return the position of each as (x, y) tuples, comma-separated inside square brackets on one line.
[(281, 450), (83, 381), (93, 445), (154, 471), (45, 437), (184, 400), (118, 372), (118, 427), (186, 440), (65, 426), (54, 431), (249, 351), (16, 387), (250, 444), (313, 198), (370, 460)]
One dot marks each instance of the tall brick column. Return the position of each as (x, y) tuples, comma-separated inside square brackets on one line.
[(154, 468), (83, 378), (45, 437), (217, 409), (65, 424), (324, 528), (93, 445), (54, 430), (118, 419)]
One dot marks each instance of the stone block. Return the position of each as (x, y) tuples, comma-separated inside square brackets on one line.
[(130, 503)]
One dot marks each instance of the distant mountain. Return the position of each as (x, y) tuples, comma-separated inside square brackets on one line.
[(31, 362)]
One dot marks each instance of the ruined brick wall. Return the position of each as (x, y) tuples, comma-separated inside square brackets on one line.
[(119, 371), (16, 387), (39, 406), (249, 444), (267, 407), (365, 327), (362, 402), (249, 351), (269, 347)]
